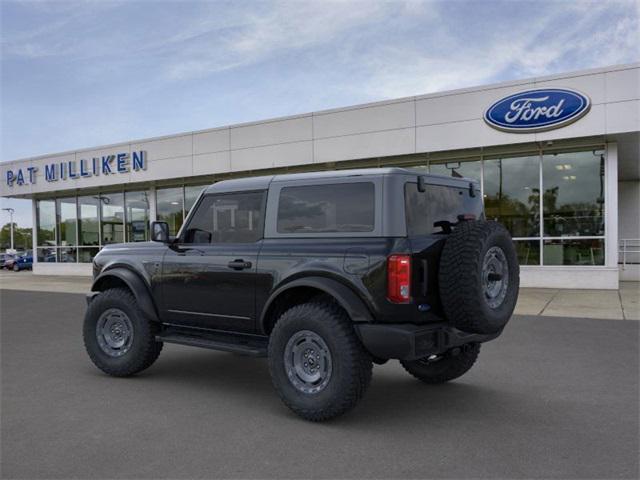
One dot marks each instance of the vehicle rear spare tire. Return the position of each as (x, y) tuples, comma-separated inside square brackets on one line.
[(479, 277)]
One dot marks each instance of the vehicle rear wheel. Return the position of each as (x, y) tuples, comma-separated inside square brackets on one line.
[(117, 337), (479, 277), (445, 367), (16, 268), (318, 365)]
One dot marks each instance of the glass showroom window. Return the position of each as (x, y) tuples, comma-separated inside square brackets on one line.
[(573, 208), (88, 228), (512, 197), (137, 216), (46, 230), (455, 168), (191, 194), (67, 229), (112, 218), (170, 207)]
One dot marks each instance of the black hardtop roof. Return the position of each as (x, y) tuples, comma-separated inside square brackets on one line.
[(263, 182)]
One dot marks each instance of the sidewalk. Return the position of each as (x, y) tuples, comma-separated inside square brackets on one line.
[(623, 304)]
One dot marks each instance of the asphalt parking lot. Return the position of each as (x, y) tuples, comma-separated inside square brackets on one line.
[(552, 398)]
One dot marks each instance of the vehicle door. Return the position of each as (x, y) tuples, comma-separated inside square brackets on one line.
[(209, 273)]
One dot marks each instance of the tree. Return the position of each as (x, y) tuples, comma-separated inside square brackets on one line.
[(22, 237)]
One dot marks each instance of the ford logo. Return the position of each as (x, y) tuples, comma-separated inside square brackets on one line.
[(537, 110)]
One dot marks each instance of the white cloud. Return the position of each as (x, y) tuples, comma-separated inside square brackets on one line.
[(285, 27), (525, 48)]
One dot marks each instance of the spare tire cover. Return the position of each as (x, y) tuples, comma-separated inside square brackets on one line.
[(479, 277)]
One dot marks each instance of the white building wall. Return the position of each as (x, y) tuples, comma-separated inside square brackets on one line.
[(429, 123), (629, 227), (629, 208)]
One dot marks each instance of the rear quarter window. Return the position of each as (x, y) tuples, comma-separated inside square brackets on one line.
[(438, 203), (328, 208)]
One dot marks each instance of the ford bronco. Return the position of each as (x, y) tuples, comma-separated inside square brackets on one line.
[(323, 273)]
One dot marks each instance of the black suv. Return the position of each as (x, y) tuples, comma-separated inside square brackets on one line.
[(323, 273)]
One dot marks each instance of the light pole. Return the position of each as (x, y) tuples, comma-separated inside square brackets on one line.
[(11, 212)]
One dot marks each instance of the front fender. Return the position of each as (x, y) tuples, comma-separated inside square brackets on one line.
[(135, 283), (345, 296)]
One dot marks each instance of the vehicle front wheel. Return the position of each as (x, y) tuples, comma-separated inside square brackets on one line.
[(117, 337), (445, 367), (318, 365)]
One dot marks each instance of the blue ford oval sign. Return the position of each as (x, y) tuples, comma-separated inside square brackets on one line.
[(537, 110)]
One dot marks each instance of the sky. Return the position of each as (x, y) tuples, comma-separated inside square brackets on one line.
[(86, 73)]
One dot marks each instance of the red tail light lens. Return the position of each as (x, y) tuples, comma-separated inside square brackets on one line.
[(399, 278)]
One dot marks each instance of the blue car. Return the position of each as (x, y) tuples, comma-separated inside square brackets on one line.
[(23, 262)]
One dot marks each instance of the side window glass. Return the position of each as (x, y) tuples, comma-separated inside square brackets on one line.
[(342, 207), (231, 218), (200, 229)]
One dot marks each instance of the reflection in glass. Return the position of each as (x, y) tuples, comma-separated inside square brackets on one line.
[(426, 210), (191, 194), (88, 220), (573, 198), (169, 205), (344, 207), (67, 255), (46, 220), (66, 221), (85, 255), (230, 218), (112, 218), (574, 252), (512, 194), (46, 255), (137, 216), (528, 252), (469, 169)]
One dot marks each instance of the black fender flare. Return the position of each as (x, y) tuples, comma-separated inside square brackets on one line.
[(137, 286), (345, 296)]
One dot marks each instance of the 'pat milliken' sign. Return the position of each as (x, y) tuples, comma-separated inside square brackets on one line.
[(537, 110), (72, 169)]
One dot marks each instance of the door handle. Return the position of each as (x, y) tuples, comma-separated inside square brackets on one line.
[(239, 264)]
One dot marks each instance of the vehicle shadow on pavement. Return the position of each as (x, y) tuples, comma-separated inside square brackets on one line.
[(393, 397)]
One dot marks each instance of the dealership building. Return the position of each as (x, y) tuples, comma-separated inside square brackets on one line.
[(557, 157)]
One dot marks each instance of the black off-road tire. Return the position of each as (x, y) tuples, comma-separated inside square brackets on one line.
[(144, 349), (351, 364), (464, 296), (445, 368)]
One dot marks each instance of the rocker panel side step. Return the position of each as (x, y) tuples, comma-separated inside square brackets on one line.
[(251, 345)]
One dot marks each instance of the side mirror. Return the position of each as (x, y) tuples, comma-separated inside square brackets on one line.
[(160, 232)]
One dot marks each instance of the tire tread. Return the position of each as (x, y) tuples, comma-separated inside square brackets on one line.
[(358, 361), (150, 348)]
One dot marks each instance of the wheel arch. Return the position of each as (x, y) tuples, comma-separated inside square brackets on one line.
[(120, 277), (303, 289)]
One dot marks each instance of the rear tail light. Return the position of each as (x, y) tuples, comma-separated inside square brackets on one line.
[(399, 278)]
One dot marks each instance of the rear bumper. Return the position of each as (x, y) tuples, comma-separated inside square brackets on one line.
[(410, 342)]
